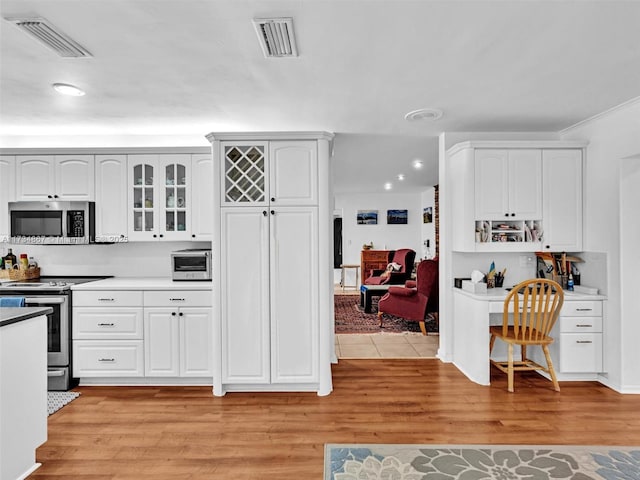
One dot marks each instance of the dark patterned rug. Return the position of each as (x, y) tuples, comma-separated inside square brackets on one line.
[(350, 318)]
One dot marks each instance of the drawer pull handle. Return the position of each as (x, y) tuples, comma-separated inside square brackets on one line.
[(106, 299), (584, 341), (584, 325), (177, 299), (106, 359), (584, 309), (106, 324)]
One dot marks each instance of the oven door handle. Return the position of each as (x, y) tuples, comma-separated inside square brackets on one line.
[(45, 301)]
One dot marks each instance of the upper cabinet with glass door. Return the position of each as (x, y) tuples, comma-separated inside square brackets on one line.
[(159, 197)]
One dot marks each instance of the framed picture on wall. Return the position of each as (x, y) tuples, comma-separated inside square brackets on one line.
[(427, 215), (367, 217), (397, 217)]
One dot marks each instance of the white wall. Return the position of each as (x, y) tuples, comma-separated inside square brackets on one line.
[(383, 236), (136, 259), (428, 229), (611, 221)]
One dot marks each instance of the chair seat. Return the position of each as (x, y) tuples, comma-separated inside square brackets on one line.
[(536, 338)]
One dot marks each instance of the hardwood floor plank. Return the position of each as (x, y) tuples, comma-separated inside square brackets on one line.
[(125, 433)]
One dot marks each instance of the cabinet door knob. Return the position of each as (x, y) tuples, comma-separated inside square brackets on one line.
[(273, 212), (49, 196), (155, 236), (55, 196), (273, 199), (513, 214), (161, 235), (264, 212), (173, 314), (547, 246), (193, 235), (180, 314), (506, 214)]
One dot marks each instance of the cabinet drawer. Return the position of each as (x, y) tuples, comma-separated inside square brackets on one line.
[(580, 324), (117, 358), (117, 298), (580, 352), (107, 323), (585, 308), (177, 298)]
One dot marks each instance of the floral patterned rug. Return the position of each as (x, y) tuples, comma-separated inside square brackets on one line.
[(472, 462)]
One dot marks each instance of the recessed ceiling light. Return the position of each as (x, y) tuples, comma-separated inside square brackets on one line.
[(424, 114), (388, 186), (401, 176), (417, 164), (66, 89)]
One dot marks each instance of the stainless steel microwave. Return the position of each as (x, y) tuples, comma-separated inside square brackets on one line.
[(52, 223), (191, 264)]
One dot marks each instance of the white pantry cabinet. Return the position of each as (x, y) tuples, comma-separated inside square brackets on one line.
[(7, 193), (111, 198), (272, 313), (55, 177)]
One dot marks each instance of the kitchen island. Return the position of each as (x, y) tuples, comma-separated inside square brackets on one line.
[(23, 388)]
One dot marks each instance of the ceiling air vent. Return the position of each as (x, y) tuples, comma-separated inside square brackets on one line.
[(276, 36), (42, 30)]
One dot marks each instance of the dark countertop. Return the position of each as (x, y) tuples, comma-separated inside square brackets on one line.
[(9, 315)]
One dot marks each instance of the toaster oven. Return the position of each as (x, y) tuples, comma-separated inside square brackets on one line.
[(191, 264)]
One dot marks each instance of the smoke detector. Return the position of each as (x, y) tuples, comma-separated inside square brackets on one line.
[(51, 37), (276, 36), (424, 114)]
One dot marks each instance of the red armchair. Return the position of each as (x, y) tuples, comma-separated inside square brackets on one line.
[(403, 257), (416, 299)]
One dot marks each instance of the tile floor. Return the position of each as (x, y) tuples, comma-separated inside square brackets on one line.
[(386, 345)]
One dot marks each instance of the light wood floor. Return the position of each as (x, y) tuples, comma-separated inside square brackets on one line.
[(185, 433)]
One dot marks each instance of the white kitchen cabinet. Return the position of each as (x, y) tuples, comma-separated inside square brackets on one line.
[(7, 193), (508, 184), (177, 337), (272, 321), (159, 197), (293, 167), (562, 200), (107, 334), (111, 198), (55, 177), (508, 198), (202, 195)]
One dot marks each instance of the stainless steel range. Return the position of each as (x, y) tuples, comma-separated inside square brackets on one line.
[(54, 292)]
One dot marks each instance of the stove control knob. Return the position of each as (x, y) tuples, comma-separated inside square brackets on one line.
[(52, 284), (62, 284)]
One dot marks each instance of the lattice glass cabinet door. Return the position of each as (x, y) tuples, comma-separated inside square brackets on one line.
[(245, 179), (143, 198)]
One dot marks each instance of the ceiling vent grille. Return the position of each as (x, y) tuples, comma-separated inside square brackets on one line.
[(276, 36), (42, 30)]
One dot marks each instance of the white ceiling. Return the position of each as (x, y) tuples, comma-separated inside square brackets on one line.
[(189, 67)]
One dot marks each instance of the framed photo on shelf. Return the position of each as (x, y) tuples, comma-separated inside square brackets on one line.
[(427, 215), (367, 217), (397, 217)]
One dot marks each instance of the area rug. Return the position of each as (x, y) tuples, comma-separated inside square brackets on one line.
[(57, 400), (351, 318), (472, 462)]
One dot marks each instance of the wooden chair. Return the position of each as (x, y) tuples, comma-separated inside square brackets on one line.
[(534, 306)]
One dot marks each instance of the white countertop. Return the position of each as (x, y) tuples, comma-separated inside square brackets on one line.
[(142, 283), (499, 294)]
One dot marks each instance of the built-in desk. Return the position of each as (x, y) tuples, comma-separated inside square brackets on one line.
[(576, 352)]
